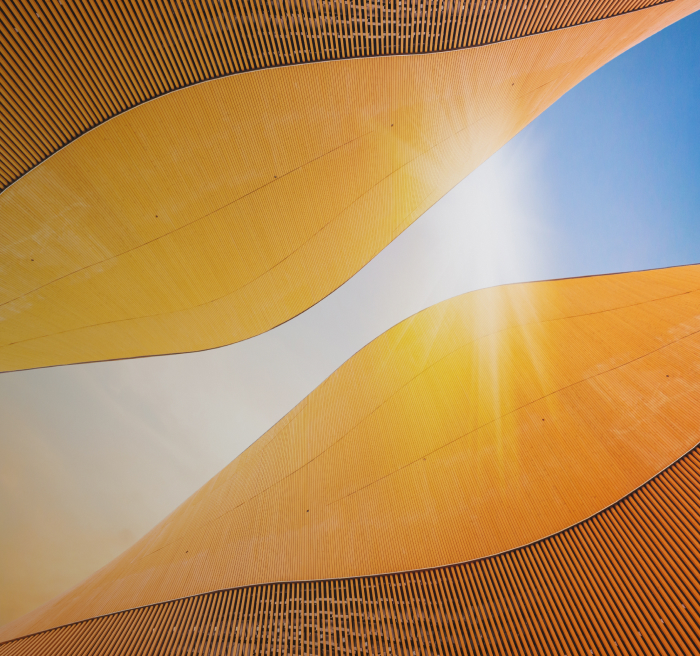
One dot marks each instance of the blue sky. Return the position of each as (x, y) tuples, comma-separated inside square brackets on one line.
[(607, 179), (621, 160)]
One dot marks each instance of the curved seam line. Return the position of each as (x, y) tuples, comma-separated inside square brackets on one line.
[(499, 554), (515, 410), (323, 61), (363, 194), (350, 430), (191, 223)]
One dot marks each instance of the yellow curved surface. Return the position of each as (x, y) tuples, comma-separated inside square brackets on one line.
[(481, 424), (219, 211)]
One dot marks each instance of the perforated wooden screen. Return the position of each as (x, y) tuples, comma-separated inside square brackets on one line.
[(623, 582), (69, 66)]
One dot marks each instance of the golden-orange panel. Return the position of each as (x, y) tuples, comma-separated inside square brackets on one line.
[(623, 581), (70, 66), (219, 211), (479, 425)]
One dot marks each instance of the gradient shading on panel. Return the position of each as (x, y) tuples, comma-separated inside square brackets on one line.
[(461, 478), (622, 582), (179, 178)]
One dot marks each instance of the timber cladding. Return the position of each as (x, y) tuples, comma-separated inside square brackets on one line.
[(219, 211), (70, 66), (490, 421), (511, 471), (623, 582)]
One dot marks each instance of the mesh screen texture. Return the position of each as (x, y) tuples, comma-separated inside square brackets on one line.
[(69, 66), (622, 582)]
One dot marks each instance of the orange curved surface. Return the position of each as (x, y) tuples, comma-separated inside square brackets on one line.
[(219, 211), (623, 581), (51, 96), (479, 425)]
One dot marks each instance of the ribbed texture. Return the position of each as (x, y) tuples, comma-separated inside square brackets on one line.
[(69, 66), (484, 423), (624, 581)]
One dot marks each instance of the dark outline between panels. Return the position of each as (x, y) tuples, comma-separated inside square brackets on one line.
[(626, 580), (67, 67)]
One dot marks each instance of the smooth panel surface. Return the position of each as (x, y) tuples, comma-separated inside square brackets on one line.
[(481, 424), (623, 582), (219, 211)]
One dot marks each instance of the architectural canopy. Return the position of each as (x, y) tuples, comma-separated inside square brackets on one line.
[(186, 176), (514, 470), (481, 425)]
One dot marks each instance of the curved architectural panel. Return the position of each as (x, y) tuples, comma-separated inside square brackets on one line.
[(215, 213), (69, 66), (482, 424), (623, 582)]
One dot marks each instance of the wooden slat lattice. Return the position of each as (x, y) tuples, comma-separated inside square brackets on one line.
[(625, 581), (68, 66)]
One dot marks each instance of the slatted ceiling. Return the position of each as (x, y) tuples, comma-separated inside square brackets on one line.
[(118, 246), (69, 66), (626, 581), (389, 612), (442, 448)]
